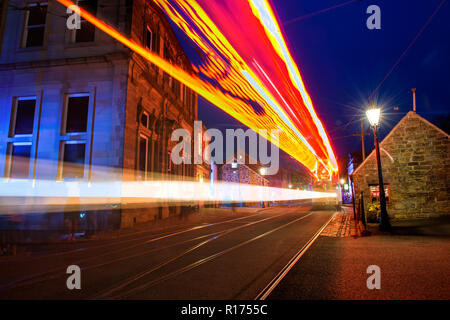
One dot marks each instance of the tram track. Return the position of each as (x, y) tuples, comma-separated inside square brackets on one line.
[(59, 271)]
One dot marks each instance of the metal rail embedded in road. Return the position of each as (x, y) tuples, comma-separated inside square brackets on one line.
[(275, 281)]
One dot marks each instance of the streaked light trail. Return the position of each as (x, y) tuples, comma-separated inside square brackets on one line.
[(247, 64), (53, 193)]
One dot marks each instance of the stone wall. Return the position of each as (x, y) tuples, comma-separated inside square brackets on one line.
[(415, 162)]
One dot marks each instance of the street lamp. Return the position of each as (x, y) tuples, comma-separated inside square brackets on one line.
[(373, 115), (262, 171)]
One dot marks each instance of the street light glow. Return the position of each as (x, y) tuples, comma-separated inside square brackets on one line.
[(374, 116)]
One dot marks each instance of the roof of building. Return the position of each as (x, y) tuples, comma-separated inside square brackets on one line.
[(408, 115)]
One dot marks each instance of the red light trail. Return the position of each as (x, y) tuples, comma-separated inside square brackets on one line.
[(247, 63)]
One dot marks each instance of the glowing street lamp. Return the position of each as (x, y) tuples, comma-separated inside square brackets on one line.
[(262, 171), (373, 115), (342, 181)]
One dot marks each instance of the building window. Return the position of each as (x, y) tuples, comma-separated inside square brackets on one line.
[(20, 137), (19, 154), (148, 41), (22, 116), (143, 157), (76, 113), (145, 120), (375, 192), (87, 31), (34, 31), (74, 153), (74, 136)]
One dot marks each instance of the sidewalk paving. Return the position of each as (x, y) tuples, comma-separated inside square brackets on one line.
[(342, 225), (413, 259)]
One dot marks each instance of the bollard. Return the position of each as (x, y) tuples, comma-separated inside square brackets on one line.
[(363, 215)]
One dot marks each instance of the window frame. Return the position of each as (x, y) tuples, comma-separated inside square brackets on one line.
[(22, 139), (148, 31), (24, 37), (73, 33), (65, 114), (75, 137), (146, 164), (62, 150)]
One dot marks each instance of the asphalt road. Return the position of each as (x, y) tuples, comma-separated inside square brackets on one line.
[(229, 256), (413, 261)]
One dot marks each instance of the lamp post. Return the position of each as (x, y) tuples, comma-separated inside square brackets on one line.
[(373, 115), (262, 171)]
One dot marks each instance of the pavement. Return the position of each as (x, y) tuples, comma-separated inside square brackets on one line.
[(414, 263), (342, 225), (226, 254)]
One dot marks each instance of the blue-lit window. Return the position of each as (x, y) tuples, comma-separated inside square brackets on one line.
[(22, 116), (77, 113), (74, 137), (20, 138)]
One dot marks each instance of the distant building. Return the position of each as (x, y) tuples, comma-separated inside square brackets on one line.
[(415, 158), (246, 172), (243, 171), (74, 101)]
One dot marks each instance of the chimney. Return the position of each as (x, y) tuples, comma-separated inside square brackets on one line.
[(414, 98)]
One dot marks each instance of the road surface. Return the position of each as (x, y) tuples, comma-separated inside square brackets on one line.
[(232, 256)]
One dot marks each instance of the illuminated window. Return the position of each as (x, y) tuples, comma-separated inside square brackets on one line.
[(87, 31), (34, 31), (375, 192)]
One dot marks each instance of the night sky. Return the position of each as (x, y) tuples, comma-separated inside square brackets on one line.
[(342, 62)]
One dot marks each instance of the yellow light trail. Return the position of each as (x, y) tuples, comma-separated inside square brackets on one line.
[(240, 80)]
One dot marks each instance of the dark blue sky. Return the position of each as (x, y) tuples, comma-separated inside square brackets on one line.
[(342, 62)]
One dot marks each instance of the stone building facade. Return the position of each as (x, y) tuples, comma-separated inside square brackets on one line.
[(415, 158), (126, 108), (242, 173)]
